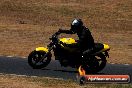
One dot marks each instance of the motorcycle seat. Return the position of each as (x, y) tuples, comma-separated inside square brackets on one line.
[(98, 46)]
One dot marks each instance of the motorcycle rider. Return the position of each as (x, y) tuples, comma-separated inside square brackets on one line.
[(86, 42)]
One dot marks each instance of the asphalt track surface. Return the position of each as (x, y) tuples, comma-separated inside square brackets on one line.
[(19, 66)]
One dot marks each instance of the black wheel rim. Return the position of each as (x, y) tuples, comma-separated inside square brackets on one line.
[(38, 59), (97, 63)]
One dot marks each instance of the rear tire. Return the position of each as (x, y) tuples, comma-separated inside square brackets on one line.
[(34, 59), (96, 65), (103, 63)]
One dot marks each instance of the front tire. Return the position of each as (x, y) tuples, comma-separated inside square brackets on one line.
[(35, 59)]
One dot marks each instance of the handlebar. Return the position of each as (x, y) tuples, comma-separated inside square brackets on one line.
[(55, 35)]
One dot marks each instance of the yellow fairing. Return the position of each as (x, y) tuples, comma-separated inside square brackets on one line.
[(68, 40), (106, 47), (42, 49)]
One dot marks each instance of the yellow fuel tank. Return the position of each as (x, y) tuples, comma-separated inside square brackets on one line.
[(68, 40)]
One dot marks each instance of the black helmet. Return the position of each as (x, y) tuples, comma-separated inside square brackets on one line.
[(76, 25)]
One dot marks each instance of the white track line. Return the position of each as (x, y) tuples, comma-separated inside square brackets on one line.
[(9, 56), (126, 64), (23, 57), (29, 76)]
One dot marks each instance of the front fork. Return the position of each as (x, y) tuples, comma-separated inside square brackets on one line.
[(48, 53)]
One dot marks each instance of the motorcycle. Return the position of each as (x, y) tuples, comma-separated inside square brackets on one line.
[(41, 56)]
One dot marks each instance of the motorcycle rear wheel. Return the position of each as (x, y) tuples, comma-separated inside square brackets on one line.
[(35, 59), (98, 64)]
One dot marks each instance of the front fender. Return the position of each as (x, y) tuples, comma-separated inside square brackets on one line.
[(42, 49)]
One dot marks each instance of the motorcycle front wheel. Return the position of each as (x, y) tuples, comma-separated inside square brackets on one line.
[(36, 60)]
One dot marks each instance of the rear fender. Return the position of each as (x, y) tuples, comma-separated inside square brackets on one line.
[(106, 47), (106, 54), (104, 51)]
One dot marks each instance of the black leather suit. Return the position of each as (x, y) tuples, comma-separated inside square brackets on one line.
[(85, 42)]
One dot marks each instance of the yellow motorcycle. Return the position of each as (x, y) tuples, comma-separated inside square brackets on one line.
[(41, 56)]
